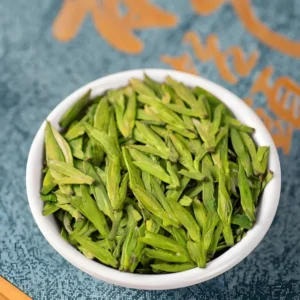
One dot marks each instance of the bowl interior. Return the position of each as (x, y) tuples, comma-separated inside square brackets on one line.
[(266, 210)]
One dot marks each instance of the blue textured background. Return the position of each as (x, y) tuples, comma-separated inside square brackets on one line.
[(37, 71)]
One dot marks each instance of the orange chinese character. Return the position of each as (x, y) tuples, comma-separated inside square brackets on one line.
[(211, 51), (115, 28), (206, 7), (283, 99), (283, 96), (245, 12), (183, 63)]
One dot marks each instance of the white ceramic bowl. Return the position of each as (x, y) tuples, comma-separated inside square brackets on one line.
[(266, 211)]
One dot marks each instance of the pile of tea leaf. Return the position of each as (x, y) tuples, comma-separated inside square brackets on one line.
[(153, 177)]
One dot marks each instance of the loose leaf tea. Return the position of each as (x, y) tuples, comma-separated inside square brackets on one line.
[(152, 177)]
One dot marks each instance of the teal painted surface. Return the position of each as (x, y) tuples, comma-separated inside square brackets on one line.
[(37, 72)]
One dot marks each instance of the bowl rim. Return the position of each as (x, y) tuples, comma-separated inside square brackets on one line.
[(266, 212)]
